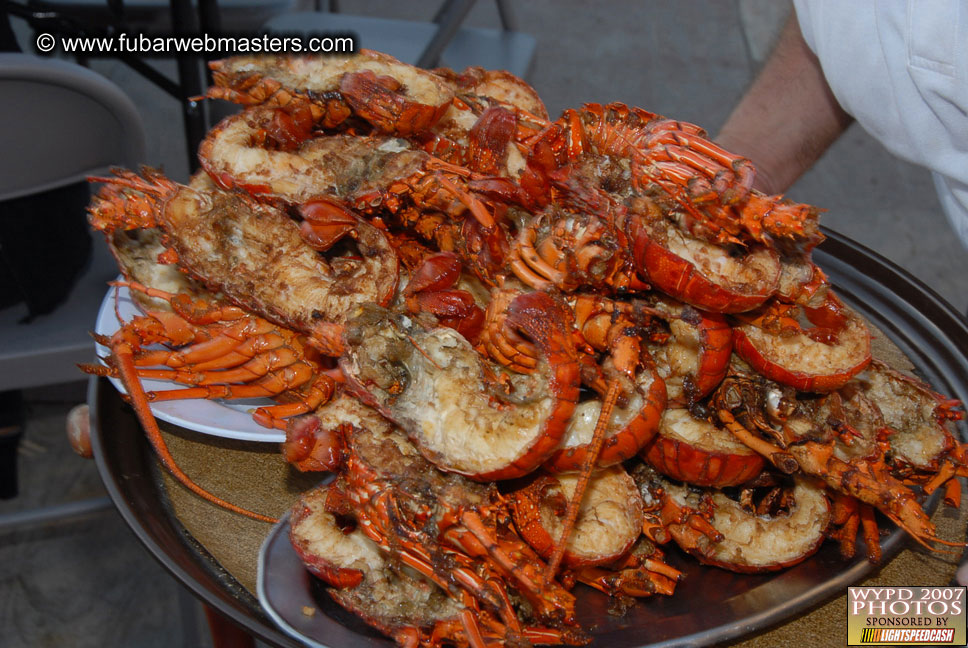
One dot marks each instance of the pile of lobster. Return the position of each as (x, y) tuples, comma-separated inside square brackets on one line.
[(532, 352)]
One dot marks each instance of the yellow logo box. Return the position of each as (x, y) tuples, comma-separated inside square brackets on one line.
[(917, 616)]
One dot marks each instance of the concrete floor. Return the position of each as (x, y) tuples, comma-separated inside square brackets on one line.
[(89, 583), (86, 582)]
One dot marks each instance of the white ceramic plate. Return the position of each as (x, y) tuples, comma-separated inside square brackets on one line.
[(229, 419)]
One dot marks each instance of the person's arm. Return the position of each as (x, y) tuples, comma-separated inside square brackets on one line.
[(787, 118)]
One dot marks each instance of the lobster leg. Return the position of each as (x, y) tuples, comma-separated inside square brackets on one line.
[(319, 391), (260, 366), (684, 524), (217, 353), (472, 630), (271, 384), (846, 517), (868, 481), (952, 493), (503, 343), (545, 596), (530, 266), (944, 476), (680, 173), (507, 610), (872, 535), (475, 206), (502, 350), (227, 348), (641, 581), (777, 456), (413, 554), (733, 176)]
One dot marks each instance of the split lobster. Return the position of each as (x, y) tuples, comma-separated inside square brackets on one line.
[(440, 288)]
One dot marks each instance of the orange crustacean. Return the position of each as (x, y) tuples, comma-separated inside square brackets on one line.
[(503, 334)]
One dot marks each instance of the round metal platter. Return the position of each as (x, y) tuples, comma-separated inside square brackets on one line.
[(710, 605)]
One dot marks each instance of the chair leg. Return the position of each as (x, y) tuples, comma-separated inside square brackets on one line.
[(226, 634), (9, 442), (11, 431), (507, 19)]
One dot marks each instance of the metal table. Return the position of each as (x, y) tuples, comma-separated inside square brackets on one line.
[(927, 329)]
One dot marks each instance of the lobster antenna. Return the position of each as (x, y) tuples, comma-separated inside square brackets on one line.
[(594, 449), (139, 401)]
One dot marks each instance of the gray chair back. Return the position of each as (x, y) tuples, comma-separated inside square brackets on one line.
[(59, 123)]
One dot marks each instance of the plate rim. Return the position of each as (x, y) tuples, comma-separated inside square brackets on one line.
[(856, 569), (261, 585)]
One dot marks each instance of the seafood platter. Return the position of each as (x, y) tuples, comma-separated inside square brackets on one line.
[(532, 357)]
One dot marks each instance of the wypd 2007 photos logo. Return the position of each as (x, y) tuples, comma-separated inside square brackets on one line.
[(927, 616)]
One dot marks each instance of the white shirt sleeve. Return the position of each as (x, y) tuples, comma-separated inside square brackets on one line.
[(901, 70)]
